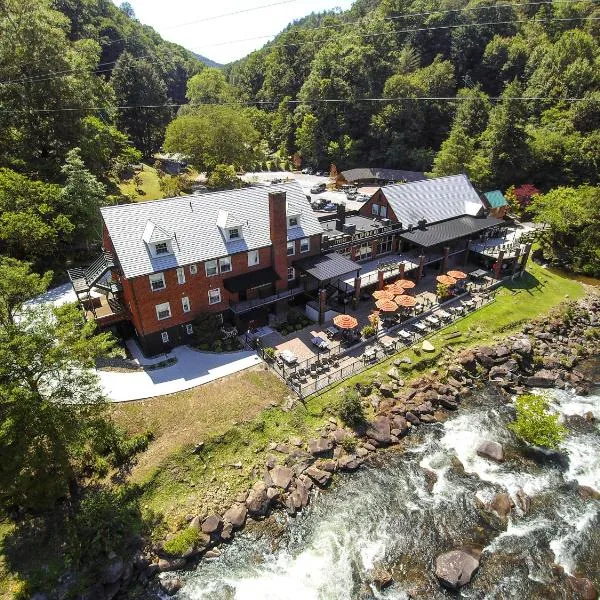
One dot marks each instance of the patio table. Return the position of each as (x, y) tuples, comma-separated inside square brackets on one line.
[(443, 314), (288, 357), (369, 354), (332, 331), (420, 326), (404, 334), (433, 320)]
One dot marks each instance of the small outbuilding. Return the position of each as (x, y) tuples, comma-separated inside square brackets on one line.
[(497, 203), (372, 176)]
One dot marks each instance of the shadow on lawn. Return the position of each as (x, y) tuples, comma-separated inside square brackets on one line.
[(527, 282)]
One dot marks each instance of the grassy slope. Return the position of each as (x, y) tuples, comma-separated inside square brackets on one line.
[(179, 482), (233, 418), (150, 189)]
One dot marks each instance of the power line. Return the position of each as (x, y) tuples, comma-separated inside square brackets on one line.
[(67, 72), (296, 102)]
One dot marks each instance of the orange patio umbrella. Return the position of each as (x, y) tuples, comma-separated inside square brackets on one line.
[(395, 289), (445, 280), (345, 322), (457, 274), (407, 284), (383, 295), (386, 305), (406, 301)]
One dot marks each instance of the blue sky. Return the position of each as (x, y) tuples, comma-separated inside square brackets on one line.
[(180, 21)]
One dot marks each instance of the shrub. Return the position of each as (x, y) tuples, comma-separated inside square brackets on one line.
[(349, 444), (217, 346), (182, 542), (350, 409), (367, 331), (535, 424), (270, 353)]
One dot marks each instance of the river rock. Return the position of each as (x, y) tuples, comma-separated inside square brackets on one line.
[(412, 418), (298, 498), (328, 465), (281, 476), (387, 391), (381, 577), (427, 346), (523, 501), (171, 585), (212, 524), (170, 564), (236, 515), (447, 402), (379, 430), (491, 450), (113, 571), (227, 531), (583, 587), (454, 569), (522, 346), (401, 424), (542, 378), (501, 504), (348, 462), (318, 476), (587, 492), (320, 446), (257, 502)]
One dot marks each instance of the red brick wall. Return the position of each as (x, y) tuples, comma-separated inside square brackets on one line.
[(378, 198)]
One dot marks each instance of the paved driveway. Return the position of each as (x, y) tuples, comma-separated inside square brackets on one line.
[(193, 368)]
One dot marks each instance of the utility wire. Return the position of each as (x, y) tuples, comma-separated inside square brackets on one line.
[(296, 102), (66, 72)]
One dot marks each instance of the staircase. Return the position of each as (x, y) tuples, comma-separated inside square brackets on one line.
[(84, 279)]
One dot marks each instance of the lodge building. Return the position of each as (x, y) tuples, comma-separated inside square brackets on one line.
[(241, 254)]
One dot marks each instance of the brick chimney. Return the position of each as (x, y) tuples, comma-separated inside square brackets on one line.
[(340, 217), (278, 232)]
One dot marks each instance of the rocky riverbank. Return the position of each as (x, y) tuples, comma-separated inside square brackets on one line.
[(545, 354)]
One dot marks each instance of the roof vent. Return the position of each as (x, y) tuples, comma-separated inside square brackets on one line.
[(349, 229), (422, 223), (410, 227), (386, 222)]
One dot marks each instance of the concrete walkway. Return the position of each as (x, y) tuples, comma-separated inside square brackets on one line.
[(193, 368)]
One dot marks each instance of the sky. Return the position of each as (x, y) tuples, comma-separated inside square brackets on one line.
[(191, 23)]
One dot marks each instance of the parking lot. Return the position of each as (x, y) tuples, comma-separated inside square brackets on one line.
[(307, 182)]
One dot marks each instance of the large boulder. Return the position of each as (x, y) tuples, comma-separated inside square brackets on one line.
[(542, 378), (281, 476), (583, 588), (491, 450), (454, 569), (379, 430), (171, 585), (348, 462), (257, 502), (113, 571), (212, 524), (381, 577), (501, 504), (236, 515), (522, 346), (318, 475), (320, 446)]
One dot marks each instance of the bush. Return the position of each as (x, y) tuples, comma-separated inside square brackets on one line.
[(270, 353), (367, 331), (535, 424), (182, 542), (349, 444), (350, 409)]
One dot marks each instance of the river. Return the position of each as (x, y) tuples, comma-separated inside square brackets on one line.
[(392, 514)]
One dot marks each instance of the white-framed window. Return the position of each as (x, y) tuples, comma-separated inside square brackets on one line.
[(163, 311), (189, 329), (214, 296), (383, 212), (253, 258), (291, 248), (234, 233), (193, 269), (365, 250), (212, 268), (185, 303), (180, 275), (291, 273), (292, 221), (161, 248), (165, 337), (304, 244), (225, 264), (375, 209), (157, 281)]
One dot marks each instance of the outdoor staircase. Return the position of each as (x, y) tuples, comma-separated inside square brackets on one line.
[(84, 279)]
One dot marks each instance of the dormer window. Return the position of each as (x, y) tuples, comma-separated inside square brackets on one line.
[(292, 221), (234, 233), (158, 241), (231, 228), (161, 248)]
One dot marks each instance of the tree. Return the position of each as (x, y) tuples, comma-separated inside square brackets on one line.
[(51, 406), (138, 85), (573, 217), (308, 139), (209, 87), (224, 177), (33, 217), (213, 135), (350, 409), (82, 195), (535, 424)]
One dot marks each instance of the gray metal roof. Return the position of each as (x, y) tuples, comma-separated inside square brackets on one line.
[(193, 223), (383, 174), (433, 199), (452, 229), (327, 266)]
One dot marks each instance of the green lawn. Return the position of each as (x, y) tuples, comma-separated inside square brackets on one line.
[(150, 188)]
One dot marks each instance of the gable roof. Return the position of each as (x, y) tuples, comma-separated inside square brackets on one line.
[(385, 174), (496, 199), (433, 200), (195, 236), (154, 233)]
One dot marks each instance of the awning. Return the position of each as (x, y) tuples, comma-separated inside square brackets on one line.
[(446, 231), (251, 280), (327, 266)]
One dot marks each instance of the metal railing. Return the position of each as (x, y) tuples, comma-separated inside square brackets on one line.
[(247, 305)]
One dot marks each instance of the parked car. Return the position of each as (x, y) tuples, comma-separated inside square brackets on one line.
[(362, 198), (319, 188), (330, 207)]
